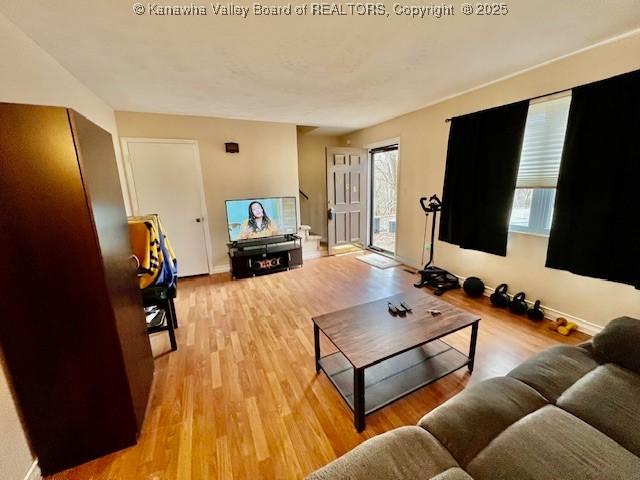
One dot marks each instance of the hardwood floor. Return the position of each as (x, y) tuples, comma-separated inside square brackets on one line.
[(241, 398)]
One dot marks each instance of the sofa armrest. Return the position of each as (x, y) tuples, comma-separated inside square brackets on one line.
[(403, 453), (619, 342)]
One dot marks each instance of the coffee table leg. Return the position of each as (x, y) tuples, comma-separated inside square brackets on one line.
[(316, 342), (358, 398), (472, 346)]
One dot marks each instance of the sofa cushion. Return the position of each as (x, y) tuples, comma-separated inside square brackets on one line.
[(470, 420), (552, 444), (453, 474), (554, 370), (608, 398), (619, 343), (406, 452)]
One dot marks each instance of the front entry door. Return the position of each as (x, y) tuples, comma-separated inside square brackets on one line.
[(166, 180), (346, 196)]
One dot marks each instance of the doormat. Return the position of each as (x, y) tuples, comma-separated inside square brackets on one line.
[(378, 261)]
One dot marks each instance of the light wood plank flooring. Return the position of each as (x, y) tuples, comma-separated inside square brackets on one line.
[(241, 398)]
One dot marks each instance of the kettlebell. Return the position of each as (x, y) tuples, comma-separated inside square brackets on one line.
[(500, 298), (473, 287), (517, 304), (535, 312)]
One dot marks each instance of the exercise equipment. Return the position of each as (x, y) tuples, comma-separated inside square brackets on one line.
[(518, 305), (567, 329), (406, 307), (430, 275), (393, 310), (473, 287), (558, 322), (535, 312), (500, 298), (562, 326)]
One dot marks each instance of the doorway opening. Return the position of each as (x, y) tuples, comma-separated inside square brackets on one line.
[(156, 167), (384, 199), (346, 199)]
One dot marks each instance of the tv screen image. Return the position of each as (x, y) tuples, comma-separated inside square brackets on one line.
[(261, 217)]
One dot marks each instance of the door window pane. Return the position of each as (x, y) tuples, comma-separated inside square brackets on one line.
[(384, 199)]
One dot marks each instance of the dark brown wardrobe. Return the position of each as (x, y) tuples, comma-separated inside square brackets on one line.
[(72, 329)]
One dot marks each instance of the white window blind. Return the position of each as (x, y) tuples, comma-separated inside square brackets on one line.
[(543, 141)]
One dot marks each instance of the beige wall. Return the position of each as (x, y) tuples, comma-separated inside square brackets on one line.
[(267, 164), (423, 144), (15, 454), (312, 173), (30, 75)]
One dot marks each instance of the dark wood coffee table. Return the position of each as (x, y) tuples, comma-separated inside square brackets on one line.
[(382, 358)]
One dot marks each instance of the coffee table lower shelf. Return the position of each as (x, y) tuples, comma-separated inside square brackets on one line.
[(392, 379)]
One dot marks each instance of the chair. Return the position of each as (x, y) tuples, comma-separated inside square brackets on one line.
[(162, 297)]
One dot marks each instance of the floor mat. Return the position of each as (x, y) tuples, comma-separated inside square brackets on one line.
[(378, 261)]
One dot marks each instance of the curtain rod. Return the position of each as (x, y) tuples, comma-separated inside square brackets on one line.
[(447, 120)]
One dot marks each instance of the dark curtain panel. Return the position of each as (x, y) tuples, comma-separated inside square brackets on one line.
[(596, 222), (480, 178)]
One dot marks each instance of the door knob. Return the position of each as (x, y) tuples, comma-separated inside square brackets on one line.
[(199, 219)]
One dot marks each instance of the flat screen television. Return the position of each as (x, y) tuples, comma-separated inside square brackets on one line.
[(261, 217)]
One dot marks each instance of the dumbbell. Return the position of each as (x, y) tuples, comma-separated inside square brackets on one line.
[(500, 298), (518, 304), (567, 329), (562, 326)]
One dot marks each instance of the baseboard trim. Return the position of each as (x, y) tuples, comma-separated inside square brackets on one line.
[(584, 326), (551, 313), (406, 262), (34, 472), (220, 269), (314, 254)]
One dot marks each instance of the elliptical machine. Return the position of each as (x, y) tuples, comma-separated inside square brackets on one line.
[(430, 275)]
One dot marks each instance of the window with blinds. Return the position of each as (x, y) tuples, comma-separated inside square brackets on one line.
[(543, 141), (544, 134)]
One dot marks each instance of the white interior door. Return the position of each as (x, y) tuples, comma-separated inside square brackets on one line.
[(166, 179), (346, 196)]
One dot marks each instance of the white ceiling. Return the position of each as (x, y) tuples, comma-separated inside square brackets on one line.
[(341, 71)]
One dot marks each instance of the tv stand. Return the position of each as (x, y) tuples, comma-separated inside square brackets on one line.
[(249, 258)]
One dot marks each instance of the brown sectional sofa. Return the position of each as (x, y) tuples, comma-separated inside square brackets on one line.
[(567, 413)]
